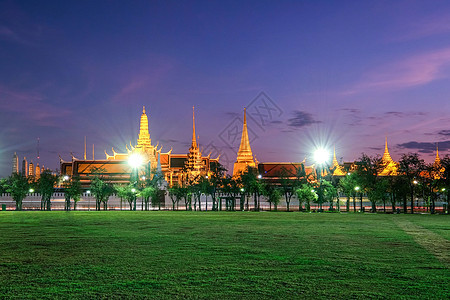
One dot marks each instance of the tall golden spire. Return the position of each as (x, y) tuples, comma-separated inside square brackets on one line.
[(244, 155), (335, 162), (437, 160), (244, 148), (194, 140), (144, 136), (338, 170), (386, 156)]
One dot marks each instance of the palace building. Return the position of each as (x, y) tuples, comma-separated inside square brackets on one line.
[(176, 168)]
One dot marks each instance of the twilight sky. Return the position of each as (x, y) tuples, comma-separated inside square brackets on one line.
[(313, 73)]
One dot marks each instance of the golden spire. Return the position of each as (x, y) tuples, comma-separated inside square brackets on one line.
[(386, 156), (335, 162), (194, 141), (244, 156), (244, 148), (144, 136), (437, 159)]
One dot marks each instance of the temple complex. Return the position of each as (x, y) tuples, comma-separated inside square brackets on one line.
[(176, 168)]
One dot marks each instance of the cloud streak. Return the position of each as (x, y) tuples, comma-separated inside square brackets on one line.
[(301, 119), (414, 71), (425, 147)]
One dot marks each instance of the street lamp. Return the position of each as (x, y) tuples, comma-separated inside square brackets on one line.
[(88, 192), (65, 178), (354, 198), (259, 176), (31, 191), (321, 157)]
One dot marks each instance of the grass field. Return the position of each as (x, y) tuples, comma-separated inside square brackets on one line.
[(222, 255)]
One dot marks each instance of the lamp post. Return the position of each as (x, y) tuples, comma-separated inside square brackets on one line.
[(88, 192), (321, 157), (354, 200)]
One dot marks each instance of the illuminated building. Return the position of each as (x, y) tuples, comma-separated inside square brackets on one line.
[(31, 169), (194, 163), (15, 165), (24, 167), (390, 166), (244, 156), (38, 171), (338, 169), (176, 168)]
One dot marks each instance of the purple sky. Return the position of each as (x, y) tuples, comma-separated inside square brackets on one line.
[(338, 73)]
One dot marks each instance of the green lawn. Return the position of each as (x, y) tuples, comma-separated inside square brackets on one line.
[(218, 255)]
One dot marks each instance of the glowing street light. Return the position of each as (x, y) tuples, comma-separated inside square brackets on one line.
[(356, 188), (415, 182), (65, 178), (321, 156), (259, 176), (135, 160), (31, 191)]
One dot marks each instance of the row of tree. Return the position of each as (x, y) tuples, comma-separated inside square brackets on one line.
[(413, 179)]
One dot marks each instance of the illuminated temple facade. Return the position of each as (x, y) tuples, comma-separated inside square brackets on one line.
[(176, 168)]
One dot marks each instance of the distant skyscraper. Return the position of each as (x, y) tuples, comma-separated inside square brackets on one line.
[(31, 169), (38, 171), (24, 167), (15, 164)]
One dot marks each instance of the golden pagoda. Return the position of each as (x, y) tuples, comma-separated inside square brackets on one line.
[(144, 147), (176, 168), (244, 156), (338, 169), (390, 166), (194, 162), (437, 160)]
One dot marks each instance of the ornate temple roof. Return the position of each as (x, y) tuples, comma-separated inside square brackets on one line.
[(244, 155), (338, 169), (390, 165)]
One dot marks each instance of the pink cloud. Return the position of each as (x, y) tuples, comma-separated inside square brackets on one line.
[(413, 71)]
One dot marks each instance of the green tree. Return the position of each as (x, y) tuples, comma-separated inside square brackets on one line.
[(306, 194), (347, 185), (368, 168), (410, 168), (147, 193), (329, 192), (215, 181), (176, 194), (18, 186), (101, 190), (46, 186), (273, 195), (445, 180), (72, 190)]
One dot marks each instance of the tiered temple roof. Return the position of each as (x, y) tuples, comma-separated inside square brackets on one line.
[(245, 156), (390, 166)]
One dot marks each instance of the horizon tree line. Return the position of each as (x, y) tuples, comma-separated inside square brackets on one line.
[(414, 179)]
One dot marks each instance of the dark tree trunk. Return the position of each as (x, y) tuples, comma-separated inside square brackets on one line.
[(405, 205)]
